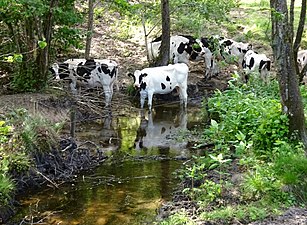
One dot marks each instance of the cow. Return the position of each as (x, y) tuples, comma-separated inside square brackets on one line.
[(252, 61), (236, 50), (161, 80), (89, 73), (302, 59), (210, 47), (182, 49), (220, 48)]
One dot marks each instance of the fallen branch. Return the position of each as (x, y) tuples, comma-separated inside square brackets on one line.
[(46, 178)]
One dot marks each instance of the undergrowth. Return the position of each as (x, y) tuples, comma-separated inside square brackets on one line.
[(21, 137), (255, 168)]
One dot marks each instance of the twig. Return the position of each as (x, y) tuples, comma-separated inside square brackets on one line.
[(53, 183)]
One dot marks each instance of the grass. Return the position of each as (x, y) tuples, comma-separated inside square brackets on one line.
[(21, 137)]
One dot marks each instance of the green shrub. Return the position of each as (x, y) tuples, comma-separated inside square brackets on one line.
[(178, 219), (6, 189), (248, 112)]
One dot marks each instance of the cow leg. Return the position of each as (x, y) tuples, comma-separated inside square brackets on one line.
[(108, 92), (143, 95), (150, 95), (264, 76), (183, 96), (208, 66), (73, 87)]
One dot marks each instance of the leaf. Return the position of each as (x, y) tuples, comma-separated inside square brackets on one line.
[(213, 166), (42, 44), (9, 59), (18, 57), (214, 124)]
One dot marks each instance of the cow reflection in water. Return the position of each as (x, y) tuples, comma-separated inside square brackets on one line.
[(161, 129), (108, 134)]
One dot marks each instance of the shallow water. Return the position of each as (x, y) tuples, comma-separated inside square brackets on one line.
[(126, 192)]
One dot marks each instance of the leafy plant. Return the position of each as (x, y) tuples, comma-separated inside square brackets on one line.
[(249, 113), (6, 188), (177, 219)]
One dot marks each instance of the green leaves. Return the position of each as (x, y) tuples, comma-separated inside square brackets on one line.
[(14, 58), (251, 114), (42, 44)]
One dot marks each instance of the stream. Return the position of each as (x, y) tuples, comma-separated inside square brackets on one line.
[(124, 191)]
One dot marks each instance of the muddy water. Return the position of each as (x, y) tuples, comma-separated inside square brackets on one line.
[(129, 191)]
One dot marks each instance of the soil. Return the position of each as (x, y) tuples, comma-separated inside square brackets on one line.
[(130, 54)]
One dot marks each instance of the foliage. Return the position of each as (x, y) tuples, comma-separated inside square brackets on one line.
[(21, 136), (6, 189), (247, 114), (24, 37), (247, 126), (178, 219), (249, 212), (35, 133)]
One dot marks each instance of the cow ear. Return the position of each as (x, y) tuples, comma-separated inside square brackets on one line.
[(250, 46), (132, 74)]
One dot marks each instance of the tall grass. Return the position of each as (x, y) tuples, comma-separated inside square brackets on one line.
[(21, 137)]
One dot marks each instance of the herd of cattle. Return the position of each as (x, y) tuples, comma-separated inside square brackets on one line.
[(164, 79)]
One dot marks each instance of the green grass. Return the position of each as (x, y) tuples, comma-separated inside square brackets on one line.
[(21, 137)]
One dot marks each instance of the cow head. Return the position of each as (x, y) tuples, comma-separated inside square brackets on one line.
[(244, 47), (138, 79), (60, 70)]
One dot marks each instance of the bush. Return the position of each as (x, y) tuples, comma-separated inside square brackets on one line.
[(248, 113)]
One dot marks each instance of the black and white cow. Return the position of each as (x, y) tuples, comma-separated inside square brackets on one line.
[(88, 73), (183, 48), (233, 49), (161, 80), (217, 48), (210, 48), (302, 59), (253, 61)]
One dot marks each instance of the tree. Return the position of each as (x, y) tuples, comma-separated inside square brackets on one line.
[(283, 49), (163, 59), (27, 34), (89, 28), (43, 58)]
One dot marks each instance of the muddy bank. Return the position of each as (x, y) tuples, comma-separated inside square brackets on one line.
[(53, 169)]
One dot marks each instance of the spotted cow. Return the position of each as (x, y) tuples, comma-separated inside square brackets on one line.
[(233, 50), (161, 80), (253, 61), (88, 73), (183, 48), (302, 59)]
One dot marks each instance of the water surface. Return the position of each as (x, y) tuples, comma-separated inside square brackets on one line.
[(124, 191)]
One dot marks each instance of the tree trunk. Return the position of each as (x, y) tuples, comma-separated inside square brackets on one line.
[(89, 28), (286, 72), (165, 44), (42, 60)]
